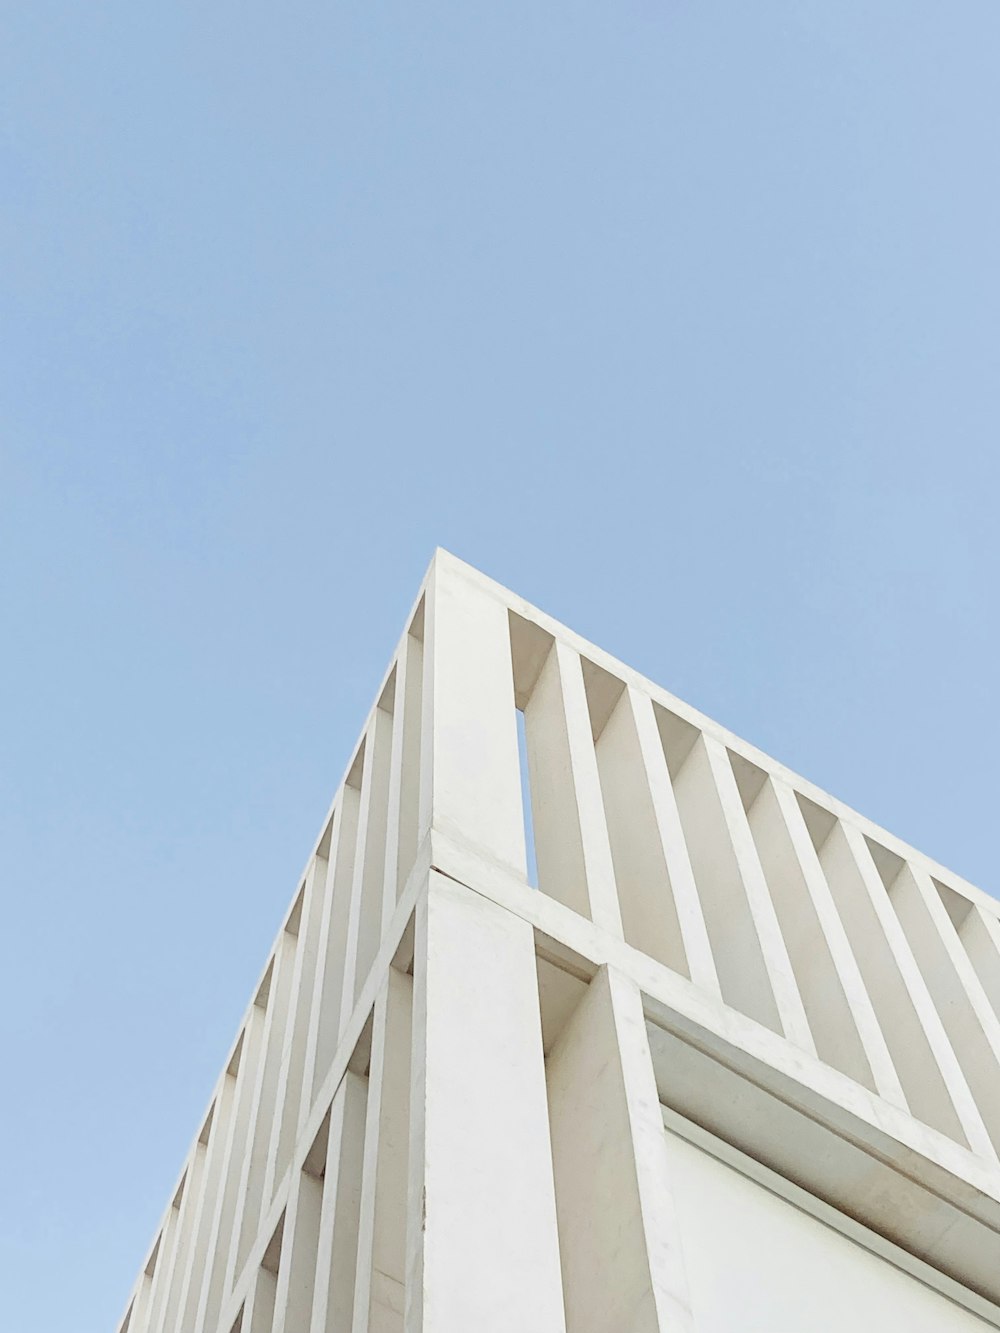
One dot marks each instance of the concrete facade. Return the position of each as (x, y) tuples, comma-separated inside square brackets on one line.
[(669, 1042)]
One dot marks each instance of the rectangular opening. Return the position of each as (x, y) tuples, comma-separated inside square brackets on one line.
[(635, 822), (526, 805), (567, 851)]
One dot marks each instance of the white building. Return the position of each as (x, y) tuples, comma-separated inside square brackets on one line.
[(733, 1066)]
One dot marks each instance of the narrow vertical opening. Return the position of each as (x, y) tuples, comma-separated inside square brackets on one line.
[(530, 647), (643, 874), (526, 802), (566, 850)]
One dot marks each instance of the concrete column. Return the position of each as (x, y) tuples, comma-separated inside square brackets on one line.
[(472, 791), (483, 1253), (622, 1265)]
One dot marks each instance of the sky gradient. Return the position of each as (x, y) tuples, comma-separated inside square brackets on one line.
[(681, 319)]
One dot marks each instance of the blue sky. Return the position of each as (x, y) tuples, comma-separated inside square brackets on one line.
[(679, 318)]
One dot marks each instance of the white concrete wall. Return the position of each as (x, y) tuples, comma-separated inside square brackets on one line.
[(757, 1263)]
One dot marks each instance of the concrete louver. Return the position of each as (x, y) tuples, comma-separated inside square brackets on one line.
[(595, 1020)]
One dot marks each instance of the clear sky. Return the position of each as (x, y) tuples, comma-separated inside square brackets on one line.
[(680, 317)]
